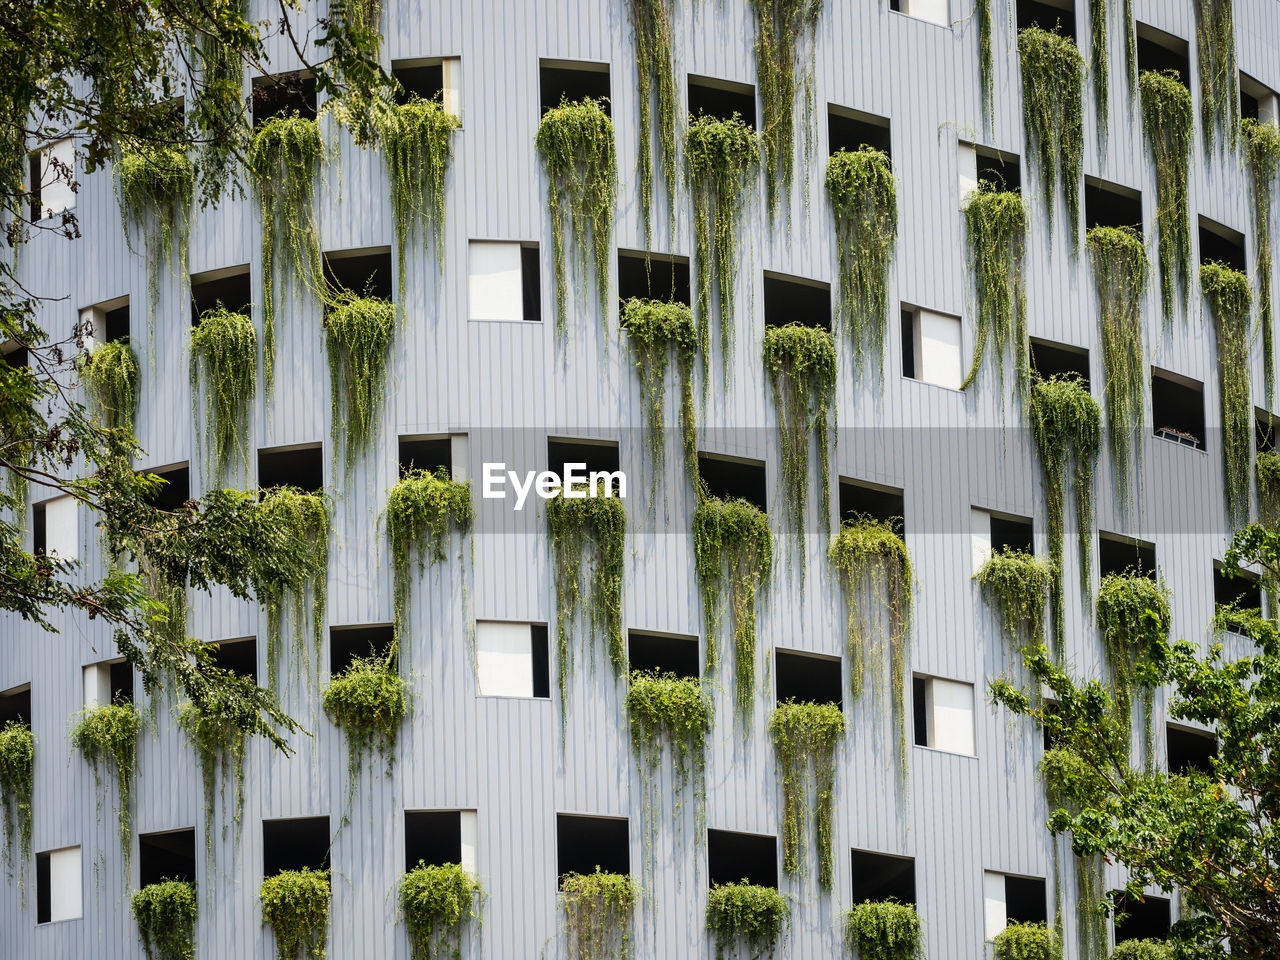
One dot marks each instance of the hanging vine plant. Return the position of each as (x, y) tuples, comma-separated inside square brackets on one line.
[(368, 701), (1017, 584), (1066, 427), (154, 188), (422, 508), (874, 567), (598, 910), (1053, 117), (883, 930), (1227, 291), (358, 333), (781, 25), (1167, 128), (748, 916), (107, 736), (1099, 64), (437, 903), (1262, 152), (658, 331), (110, 374), (1134, 619), (721, 158), (656, 84), (219, 731), (805, 736), (1120, 268), (304, 518), (166, 917), (1219, 74), (284, 165), (732, 547), (576, 525), (417, 145), (1267, 469), (1070, 785), (1026, 941), (800, 362), (995, 235), (575, 142), (1142, 950), (17, 783), (224, 355), (864, 201), (295, 905), (982, 11)]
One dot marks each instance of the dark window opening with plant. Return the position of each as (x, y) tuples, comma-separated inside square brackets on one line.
[(121, 681), (282, 94), (585, 843), (1189, 750), (792, 300), (1177, 409), (1059, 359), (39, 528), (425, 453), (1221, 244), (726, 479), (1242, 592), (871, 501), (1111, 205), (1268, 430), (599, 457), (16, 356), (808, 678), (229, 289), (1256, 99), (733, 857), (15, 705), (1002, 170), (1121, 556), (296, 844), (423, 78), (530, 284), (116, 322), (176, 489), (1143, 919), (722, 99), (561, 80), (348, 643), (664, 653), (238, 656), (1054, 17), (433, 837), (301, 467), (883, 876), (1158, 50), (852, 130), (1012, 533), (1026, 900), (167, 856), (660, 277), (360, 273)]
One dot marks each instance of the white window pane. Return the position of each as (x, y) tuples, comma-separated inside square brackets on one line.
[(504, 659), (935, 11), (494, 281), (968, 170), (951, 716), (939, 353), (64, 884), (62, 528), (56, 193), (994, 907), (467, 826), (452, 100), (980, 537), (97, 684)]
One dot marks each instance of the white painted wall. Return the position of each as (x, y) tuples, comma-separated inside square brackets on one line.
[(949, 716), (937, 342), (968, 170), (494, 281), (935, 11), (65, 885), (504, 659), (56, 190), (97, 684), (980, 536), (62, 528), (451, 67), (467, 824), (995, 910)]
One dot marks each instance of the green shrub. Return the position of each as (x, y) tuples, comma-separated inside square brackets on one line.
[(295, 905), (107, 736), (436, 903), (747, 915), (1230, 304), (1167, 126), (1267, 468), (1142, 950), (166, 916), (110, 374), (883, 931), (598, 910), (368, 701), (1017, 584), (1053, 118), (358, 333), (155, 184), (996, 237), (1027, 941), (805, 736), (224, 354)]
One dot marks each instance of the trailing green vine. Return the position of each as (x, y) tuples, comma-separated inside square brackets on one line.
[(1066, 427), (1053, 117), (805, 736), (656, 83), (586, 529), (1167, 128), (17, 784), (166, 916), (1017, 584), (417, 144), (575, 142), (154, 187), (982, 11), (224, 355), (780, 27), (219, 731), (1266, 467), (800, 362), (368, 701), (1099, 63), (1070, 784), (1262, 152), (295, 905), (1027, 941), (1227, 291), (422, 508), (864, 201), (107, 736), (746, 915), (304, 518), (733, 549), (995, 235), (1120, 269), (598, 910), (110, 374), (1219, 75), (721, 157), (284, 165), (1133, 619), (883, 930), (437, 902), (657, 331), (358, 333)]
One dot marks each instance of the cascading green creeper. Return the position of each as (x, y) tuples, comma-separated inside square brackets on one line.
[(1099, 64), (1026, 941), (166, 916), (1219, 75), (436, 903), (995, 236), (224, 357), (1262, 152), (575, 142), (864, 202), (358, 333), (1227, 292), (883, 930), (368, 701), (304, 517), (982, 12), (598, 909), (805, 736), (110, 374), (1017, 584), (17, 782), (295, 905), (1267, 469), (107, 736), (1167, 129), (1133, 619), (655, 84), (746, 916), (154, 187), (1071, 784), (284, 161), (1053, 117)]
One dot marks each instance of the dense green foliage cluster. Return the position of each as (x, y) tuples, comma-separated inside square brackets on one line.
[(1142, 950), (107, 736), (1219, 74), (17, 782), (805, 736), (1099, 64), (655, 84), (1017, 584), (1230, 301), (982, 12), (295, 905), (668, 712), (883, 930), (996, 237), (598, 910), (1262, 154), (110, 374), (217, 731), (1053, 117), (155, 184), (746, 915), (166, 916), (1071, 784), (1266, 467), (358, 332), (437, 902), (368, 701), (224, 356), (1167, 127), (1133, 619), (1027, 941)]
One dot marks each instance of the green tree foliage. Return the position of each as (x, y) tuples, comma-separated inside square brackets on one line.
[(437, 902), (295, 905), (598, 909), (166, 917), (1053, 117), (883, 930), (748, 916), (805, 737)]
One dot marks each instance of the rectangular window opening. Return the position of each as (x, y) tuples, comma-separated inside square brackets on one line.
[(808, 678), (238, 656), (364, 273), (1125, 556), (870, 501), (1059, 359), (1257, 100), (432, 837), (59, 885), (117, 323), (230, 288), (1147, 918), (348, 643), (418, 78), (728, 478), (295, 844), (931, 347), (943, 714), (598, 457), (1190, 750), (1111, 205), (722, 99), (664, 653), (572, 80), (512, 659), (852, 130), (1026, 900), (282, 94), (1177, 409), (1003, 171), (1221, 244), (793, 300), (1057, 17), (733, 857), (301, 467), (15, 705), (883, 876), (425, 453), (585, 843), (1158, 50), (175, 490), (167, 856), (1012, 533), (1243, 590), (659, 277)]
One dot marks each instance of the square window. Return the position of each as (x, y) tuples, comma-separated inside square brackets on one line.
[(1052, 16), (59, 885), (588, 456), (167, 856), (882, 876), (437, 837), (1012, 533), (347, 643), (665, 653), (363, 273), (852, 130), (1221, 244), (1050, 359), (238, 656), (512, 659), (931, 348), (1158, 50), (301, 467), (53, 179), (1123, 555), (585, 843), (282, 94), (295, 844), (1257, 100), (1147, 918), (934, 11), (1177, 408), (425, 453), (422, 78), (1026, 900), (116, 322), (860, 500), (808, 678), (229, 288), (727, 478), (1111, 205), (722, 99), (1243, 590), (795, 300), (571, 81), (979, 164), (943, 712), (1268, 427), (503, 282), (657, 277), (15, 705), (55, 529), (733, 857), (175, 490), (1190, 750)]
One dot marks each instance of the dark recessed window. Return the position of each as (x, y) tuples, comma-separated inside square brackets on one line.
[(1243, 590), (1144, 919), (585, 843), (1048, 739), (39, 528), (121, 681), (347, 643), (1219, 244), (1111, 205), (1059, 359), (418, 78), (295, 844), (17, 357), (1047, 16), (1158, 50), (116, 322), (226, 288), (1256, 99), (651, 651), (908, 327), (863, 501), (282, 94), (852, 130), (1026, 900), (734, 857), (176, 489), (1122, 556), (1012, 533), (238, 656), (1002, 171), (791, 300), (590, 457), (530, 283), (1268, 428), (425, 453), (365, 274), (659, 277), (1177, 409), (15, 705), (727, 479), (1190, 750), (301, 467), (722, 99), (881, 876), (433, 837), (167, 856), (808, 678), (561, 80)]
